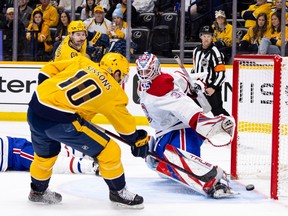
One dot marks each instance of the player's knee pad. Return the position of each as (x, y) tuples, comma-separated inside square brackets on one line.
[(109, 161), (41, 168)]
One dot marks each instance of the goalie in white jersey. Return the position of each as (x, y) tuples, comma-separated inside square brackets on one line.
[(179, 122)]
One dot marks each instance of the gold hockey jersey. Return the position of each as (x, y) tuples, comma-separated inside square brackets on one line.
[(78, 87), (65, 51)]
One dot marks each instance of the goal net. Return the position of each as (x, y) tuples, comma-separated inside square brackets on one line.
[(260, 108)]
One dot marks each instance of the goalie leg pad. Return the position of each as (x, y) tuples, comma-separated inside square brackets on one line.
[(209, 176), (219, 130)]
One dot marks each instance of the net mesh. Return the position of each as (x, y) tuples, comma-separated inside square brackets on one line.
[(255, 112)]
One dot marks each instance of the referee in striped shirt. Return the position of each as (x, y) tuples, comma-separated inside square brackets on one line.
[(207, 58)]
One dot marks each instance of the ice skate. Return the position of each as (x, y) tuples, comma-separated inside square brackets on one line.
[(48, 197), (216, 189), (221, 190), (125, 198)]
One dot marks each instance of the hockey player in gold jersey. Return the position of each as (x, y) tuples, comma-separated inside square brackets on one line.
[(70, 93), (75, 42)]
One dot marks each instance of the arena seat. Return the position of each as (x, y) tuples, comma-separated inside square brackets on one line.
[(141, 36)]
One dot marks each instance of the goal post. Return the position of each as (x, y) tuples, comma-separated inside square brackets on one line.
[(260, 108)]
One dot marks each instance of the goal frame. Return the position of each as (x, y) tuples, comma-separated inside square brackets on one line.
[(275, 117)]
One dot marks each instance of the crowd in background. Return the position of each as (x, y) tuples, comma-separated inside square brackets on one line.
[(42, 25)]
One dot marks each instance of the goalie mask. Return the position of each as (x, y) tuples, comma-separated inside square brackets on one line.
[(116, 65), (148, 67)]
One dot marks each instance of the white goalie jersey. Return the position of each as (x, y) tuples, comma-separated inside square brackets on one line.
[(166, 104)]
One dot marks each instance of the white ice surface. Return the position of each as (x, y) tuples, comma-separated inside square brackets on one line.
[(85, 195)]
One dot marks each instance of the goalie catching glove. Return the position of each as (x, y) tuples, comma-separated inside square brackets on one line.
[(218, 130), (138, 142)]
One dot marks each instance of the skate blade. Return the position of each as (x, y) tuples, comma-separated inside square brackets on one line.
[(44, 203), (139, 206)]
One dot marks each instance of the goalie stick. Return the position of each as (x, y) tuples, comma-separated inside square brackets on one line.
[(186, 170), (149, 153), (203, 178), (200, 95)]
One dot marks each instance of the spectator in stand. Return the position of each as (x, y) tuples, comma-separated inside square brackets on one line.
[(143, 6), (66, 5), (254, 35), (50, 13), (24, 12), (62, 30), (100, 25), (105, 4), (134, 13), (222, 34), (39, 30), (272, 43), (250, 15), (278, 8), (196, 12), (117, 32), (88, 10), (7, 26)]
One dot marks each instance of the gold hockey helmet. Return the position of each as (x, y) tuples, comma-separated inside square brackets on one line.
[(76, 26), (113, 63)]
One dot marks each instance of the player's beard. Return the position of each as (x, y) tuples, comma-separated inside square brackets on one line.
[(78, 44)]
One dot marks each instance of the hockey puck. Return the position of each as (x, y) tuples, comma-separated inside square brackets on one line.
[(250, 187)]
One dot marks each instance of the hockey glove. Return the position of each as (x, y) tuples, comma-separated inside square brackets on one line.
[(93, 36), (140, 148), (103, 41), (138, 142)]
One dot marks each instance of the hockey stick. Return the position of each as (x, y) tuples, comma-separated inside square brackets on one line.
[(200, 96), (202, 178)]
